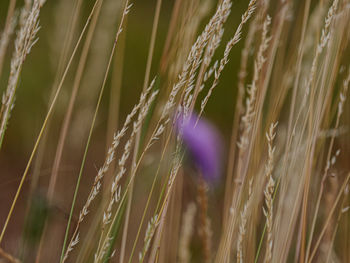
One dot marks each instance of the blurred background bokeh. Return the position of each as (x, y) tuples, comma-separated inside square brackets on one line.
[(41, 70), (38, 79)]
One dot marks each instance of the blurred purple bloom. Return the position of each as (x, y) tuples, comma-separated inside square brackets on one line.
[(203, 144)]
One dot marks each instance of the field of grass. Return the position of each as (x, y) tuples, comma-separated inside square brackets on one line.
[(175, 131)]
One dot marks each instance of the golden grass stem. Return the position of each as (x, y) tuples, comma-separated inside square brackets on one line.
[(204, 223), (341, 192), (138, 135), (68, 115), (69, 112), (67, 43), (64, 254), (48, 115), (149, 197), (327, 167), (236, 119)]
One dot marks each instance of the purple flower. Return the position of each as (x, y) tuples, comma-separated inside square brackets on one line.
[(203, 144)]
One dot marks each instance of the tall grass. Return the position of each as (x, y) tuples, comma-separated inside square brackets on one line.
[(110, 184)]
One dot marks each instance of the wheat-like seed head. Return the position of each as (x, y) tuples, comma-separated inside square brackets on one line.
[(252, 90), (268, 192), (230, 44), (25, 40)]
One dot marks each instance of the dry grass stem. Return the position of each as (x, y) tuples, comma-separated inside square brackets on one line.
[(186, 233), (152, 188)]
